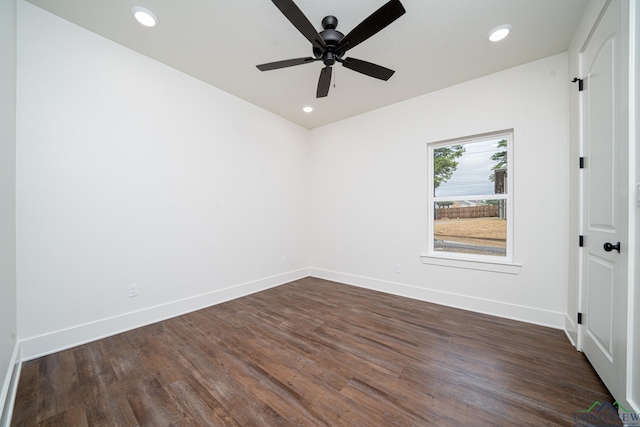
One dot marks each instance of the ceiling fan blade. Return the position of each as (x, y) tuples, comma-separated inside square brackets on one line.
[(300, 21), (285, 63), (370, 26), (368, 68), (324, 82)]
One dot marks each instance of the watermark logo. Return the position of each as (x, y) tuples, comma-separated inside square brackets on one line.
[(606, 415), (629, 418)]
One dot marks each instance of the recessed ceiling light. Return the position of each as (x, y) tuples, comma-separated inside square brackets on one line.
[(307, 109), (144, 16), (499, 32)]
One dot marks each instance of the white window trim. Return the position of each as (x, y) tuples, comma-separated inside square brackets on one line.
[(504, 264), (450, 261)]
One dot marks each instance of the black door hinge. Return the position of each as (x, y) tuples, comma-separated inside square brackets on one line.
[(580, 83), (579, 318), (581, 240), (581, 162)]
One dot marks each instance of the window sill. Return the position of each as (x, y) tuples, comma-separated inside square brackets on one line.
[(494, 266)]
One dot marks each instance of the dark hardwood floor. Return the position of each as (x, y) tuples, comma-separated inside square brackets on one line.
[(314, 352)]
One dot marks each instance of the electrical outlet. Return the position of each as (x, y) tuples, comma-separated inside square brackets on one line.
[(133, 290), (284, 260), (397, 268)]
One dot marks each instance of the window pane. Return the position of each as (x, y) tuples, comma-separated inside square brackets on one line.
[(471, 226), (470, 169)]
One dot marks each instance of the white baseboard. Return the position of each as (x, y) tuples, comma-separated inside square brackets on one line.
[(42, 345), (10, 387), (521, 313)]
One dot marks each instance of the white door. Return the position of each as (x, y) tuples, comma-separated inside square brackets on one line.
[(605, 204)]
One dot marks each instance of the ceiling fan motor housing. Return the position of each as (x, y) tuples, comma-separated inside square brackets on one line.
[(331, 38)]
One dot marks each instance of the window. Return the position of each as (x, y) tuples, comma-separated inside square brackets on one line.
[(470, 198)]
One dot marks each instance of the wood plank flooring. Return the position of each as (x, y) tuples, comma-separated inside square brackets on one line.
[(313, 353)]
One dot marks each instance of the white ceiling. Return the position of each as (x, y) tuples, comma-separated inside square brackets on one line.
[(437, 43)]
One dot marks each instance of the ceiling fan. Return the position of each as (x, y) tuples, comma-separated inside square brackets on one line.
[(330, 45)]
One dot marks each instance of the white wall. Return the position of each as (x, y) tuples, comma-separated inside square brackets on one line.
[(369, 193), (8, 328), (129, 171)]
